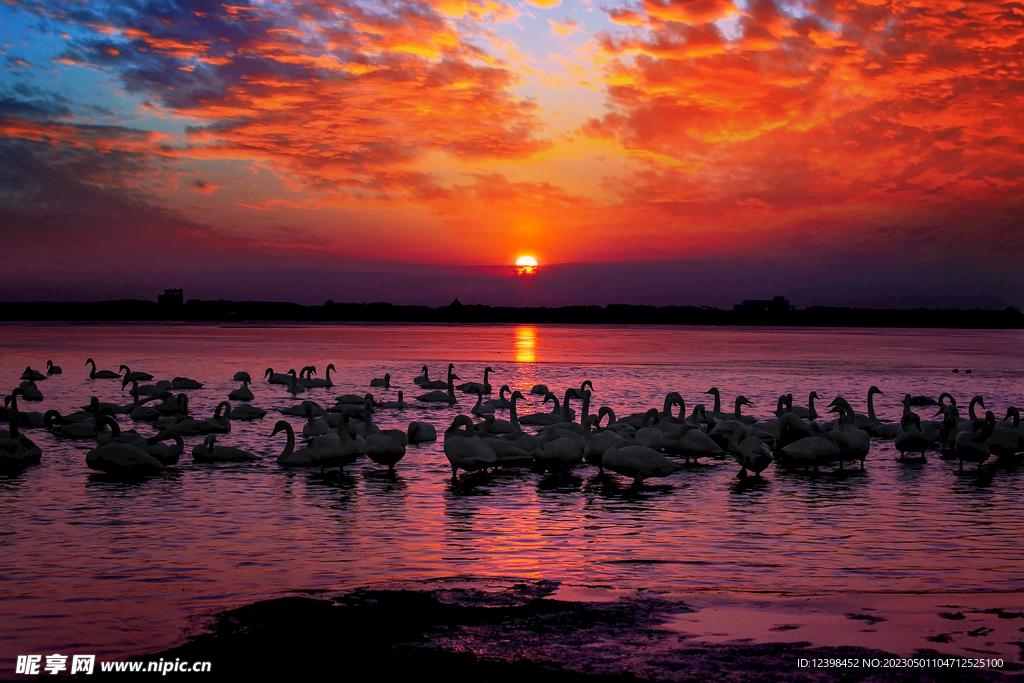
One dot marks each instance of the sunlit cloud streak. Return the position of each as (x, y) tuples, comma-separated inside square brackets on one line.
[(438, 132)]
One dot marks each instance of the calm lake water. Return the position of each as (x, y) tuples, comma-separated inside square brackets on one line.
[(94, 565)]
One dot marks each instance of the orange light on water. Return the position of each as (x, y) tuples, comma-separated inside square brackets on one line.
[(526, 345)]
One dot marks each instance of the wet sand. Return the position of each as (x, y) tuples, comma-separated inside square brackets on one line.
[(543, 631)]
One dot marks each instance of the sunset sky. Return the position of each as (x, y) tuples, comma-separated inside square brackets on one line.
[(654, 151)]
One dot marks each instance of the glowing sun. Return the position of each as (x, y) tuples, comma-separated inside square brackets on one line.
[(526, 265)]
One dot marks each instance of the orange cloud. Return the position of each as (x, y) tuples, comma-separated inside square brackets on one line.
[(858, 111)]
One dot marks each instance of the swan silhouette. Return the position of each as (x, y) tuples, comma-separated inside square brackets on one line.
[(101, 374), (242, 393), (208, 451), (464, 449), (140, 376), (638, 462), (484, 387), (32, 375), (442, 396), (117, 457), (17, 451), (52, 369)]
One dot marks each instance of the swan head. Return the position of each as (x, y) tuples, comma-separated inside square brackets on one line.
[(586, 383), (282, 425), (979, 400), (124, 368), (115, 429), (743, 401), (516, 395), (268, 372), (90, 360), (713, 391), (875, 390), (460, 421)]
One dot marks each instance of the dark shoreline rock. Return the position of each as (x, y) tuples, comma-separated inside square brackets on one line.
[(518, 634)]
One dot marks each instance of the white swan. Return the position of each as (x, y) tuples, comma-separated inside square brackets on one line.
[(480, 409), (464, 449), (749, 451), (438, 384), (30, 391), (32, 375), (289, 456), (314, 426), (386, 447), (315, 382), (69, 430), (277, 377), (117, 457), (442, 396), (17, 451), (242, 393), (973, 446), (509, 455), (599, 441), (484, 387), (337, 448), (690, 442), (220, 423), (167, 455), (209, 452), (854, 443), (812, 451), (910, 437), (294, 387), (544, 419), (400, 404), (102, 374), (638, 462), (500, 403), (421, 432), (139, 376), (558, 453)]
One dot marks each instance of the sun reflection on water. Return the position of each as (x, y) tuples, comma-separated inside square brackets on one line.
[(526, 344)]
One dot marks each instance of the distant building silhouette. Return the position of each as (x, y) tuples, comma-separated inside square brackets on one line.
[(776, 304), (171, 296)]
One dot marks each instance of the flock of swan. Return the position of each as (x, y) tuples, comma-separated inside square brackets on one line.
[(655, 442)]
